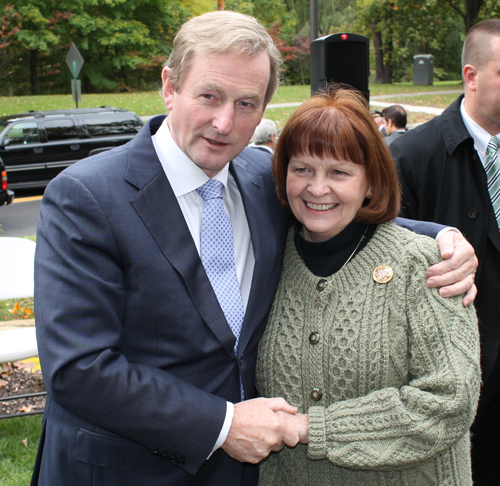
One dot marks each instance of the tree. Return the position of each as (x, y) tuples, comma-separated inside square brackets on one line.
[(403, 28), (120, 41), (9, 26), (29, 41), (468, 10)]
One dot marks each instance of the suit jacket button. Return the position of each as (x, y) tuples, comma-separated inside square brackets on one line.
[(181, 462), (473, 213), (316, 394), (241, 359)]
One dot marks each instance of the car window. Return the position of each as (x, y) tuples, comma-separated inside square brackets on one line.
[(62, 129), (113, 124), (22, 133)]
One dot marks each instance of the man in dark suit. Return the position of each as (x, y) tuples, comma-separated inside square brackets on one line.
[(449, 177), (395, 118), (144, 370)]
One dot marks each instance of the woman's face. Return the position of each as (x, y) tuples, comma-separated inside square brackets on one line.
[(325, 194)]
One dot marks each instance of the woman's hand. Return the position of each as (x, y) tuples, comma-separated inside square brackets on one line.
[(301, 422)]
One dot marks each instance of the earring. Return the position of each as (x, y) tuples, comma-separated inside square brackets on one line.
[(367, 200)]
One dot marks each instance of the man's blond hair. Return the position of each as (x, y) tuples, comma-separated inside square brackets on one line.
[(218, 33)]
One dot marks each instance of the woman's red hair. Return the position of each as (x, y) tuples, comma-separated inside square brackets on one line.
[(337, 124)]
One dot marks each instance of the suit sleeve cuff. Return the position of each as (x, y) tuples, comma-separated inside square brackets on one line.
[(225, 428)]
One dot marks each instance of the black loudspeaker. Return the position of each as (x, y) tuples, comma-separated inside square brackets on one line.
[(341, 58)]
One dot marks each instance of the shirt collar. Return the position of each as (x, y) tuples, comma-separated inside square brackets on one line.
[(182, 173), (265, 147), (480, 136)]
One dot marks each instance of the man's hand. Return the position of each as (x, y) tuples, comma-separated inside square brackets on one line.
[(456, 273), (256, 429)]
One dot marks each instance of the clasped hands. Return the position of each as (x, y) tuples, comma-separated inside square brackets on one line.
[(263, 425)]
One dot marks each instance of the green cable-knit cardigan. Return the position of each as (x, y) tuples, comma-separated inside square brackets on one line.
[(388, 372)]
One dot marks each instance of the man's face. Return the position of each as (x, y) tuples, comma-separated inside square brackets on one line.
[(389, 126), (220, 103), (485, 91)]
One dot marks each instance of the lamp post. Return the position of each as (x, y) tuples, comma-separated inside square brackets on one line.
[(313, 14)]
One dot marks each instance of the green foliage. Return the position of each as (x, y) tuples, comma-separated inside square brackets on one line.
[(401, 29), (17, 457), (123, 43)]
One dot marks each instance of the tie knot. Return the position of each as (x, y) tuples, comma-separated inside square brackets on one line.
[(212, 189), (493, 145)]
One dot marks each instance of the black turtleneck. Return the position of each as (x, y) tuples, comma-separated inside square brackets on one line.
[(327, 257)]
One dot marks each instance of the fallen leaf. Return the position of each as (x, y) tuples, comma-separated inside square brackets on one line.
[(26, 409), (24, 364), (25, 442)]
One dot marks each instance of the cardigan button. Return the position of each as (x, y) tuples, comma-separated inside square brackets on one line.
[(316, 394), (473, 213), (314, 338), (322, 284)]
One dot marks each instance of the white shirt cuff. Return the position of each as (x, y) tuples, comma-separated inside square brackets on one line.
[(445, 230), (225, 427)]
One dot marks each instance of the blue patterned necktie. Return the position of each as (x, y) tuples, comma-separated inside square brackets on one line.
[(492, 169), (217, 256)]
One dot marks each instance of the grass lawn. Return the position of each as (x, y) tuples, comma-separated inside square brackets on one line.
[(18, 445), (439, 101), (150, 103)]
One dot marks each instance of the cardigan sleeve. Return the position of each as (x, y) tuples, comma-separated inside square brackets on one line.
[(394, 428)]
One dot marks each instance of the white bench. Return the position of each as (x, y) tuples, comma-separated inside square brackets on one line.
[(17, 281)]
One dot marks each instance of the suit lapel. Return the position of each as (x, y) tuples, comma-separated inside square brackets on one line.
[(264, 246), (157, 206)]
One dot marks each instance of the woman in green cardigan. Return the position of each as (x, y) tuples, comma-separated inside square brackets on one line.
[(385, 373)]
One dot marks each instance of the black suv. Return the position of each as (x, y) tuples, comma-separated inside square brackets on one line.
[(6, 195), (36, 145)]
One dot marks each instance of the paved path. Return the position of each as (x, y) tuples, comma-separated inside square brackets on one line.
[(16, 324), (422, 93), (413, 108), (21, 217), (374, 101)]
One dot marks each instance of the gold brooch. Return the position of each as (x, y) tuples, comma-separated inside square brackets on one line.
[(383, 274)]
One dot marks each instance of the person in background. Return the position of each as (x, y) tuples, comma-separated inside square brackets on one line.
[(379, 120), (395, 118), (265, 136), (384, 371), (449, 171)]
